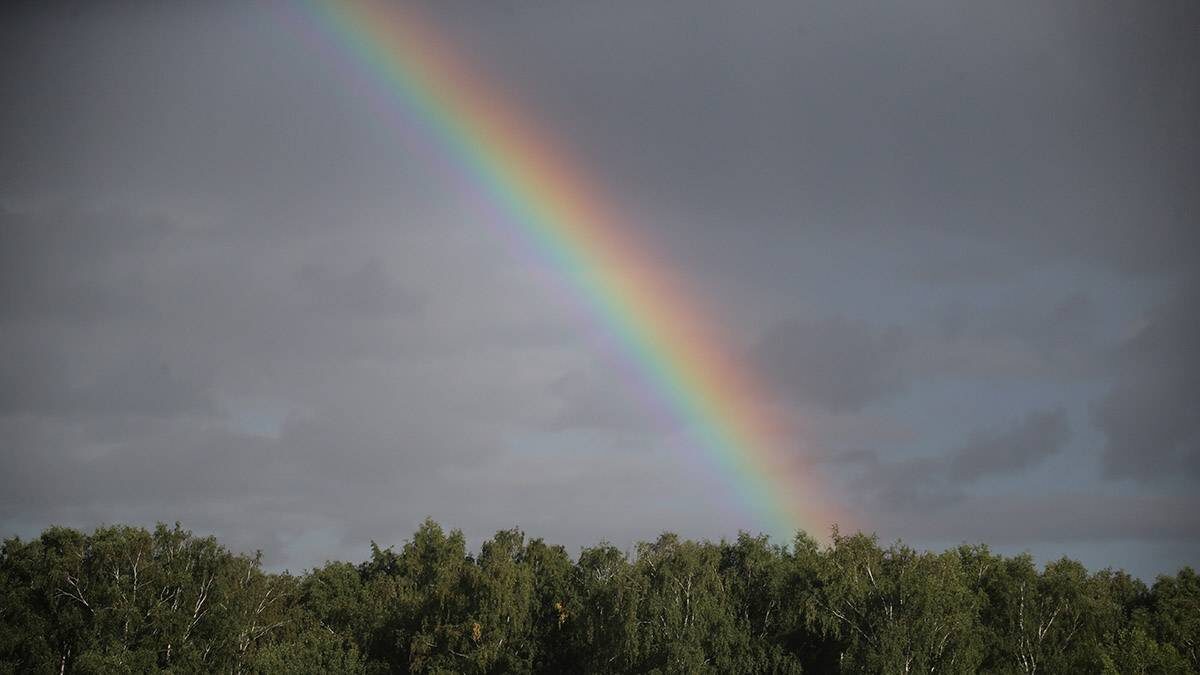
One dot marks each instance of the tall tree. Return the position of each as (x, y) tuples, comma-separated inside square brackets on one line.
[(1175, 602), (900, 610)]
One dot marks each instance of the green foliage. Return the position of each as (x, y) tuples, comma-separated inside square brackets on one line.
[(126, 600), (314, 650), (896, 609), (1175, 605)]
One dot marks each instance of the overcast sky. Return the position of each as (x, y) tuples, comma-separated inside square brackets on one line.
[(959, 240)]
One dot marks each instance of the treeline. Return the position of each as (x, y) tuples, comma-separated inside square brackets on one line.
[(123, 599)]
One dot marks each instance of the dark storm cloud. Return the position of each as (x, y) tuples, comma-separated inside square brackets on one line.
[(209, 103), (238, 289), (1053, 330), (1012, 449), (1046, 335), (148, 463), (1150, 417), (141, 385), (1062, 517), (836, 364), (76, 264), (268, 383), (928, 484), (914, 485), (366, 290), (64, 272), (1044, 132), (599, 398)]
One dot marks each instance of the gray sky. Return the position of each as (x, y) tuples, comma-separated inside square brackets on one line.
[(959, 241)]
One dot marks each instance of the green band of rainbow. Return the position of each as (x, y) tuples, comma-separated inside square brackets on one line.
[(595, 251)]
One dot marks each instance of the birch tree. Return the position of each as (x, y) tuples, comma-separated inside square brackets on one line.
[(901, 611)]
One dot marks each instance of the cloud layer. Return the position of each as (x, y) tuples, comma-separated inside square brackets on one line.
[(241, 289)]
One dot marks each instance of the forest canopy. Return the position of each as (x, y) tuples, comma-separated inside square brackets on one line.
[(124, 599)]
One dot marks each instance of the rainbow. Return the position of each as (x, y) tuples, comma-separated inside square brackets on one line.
[(558, 211)]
